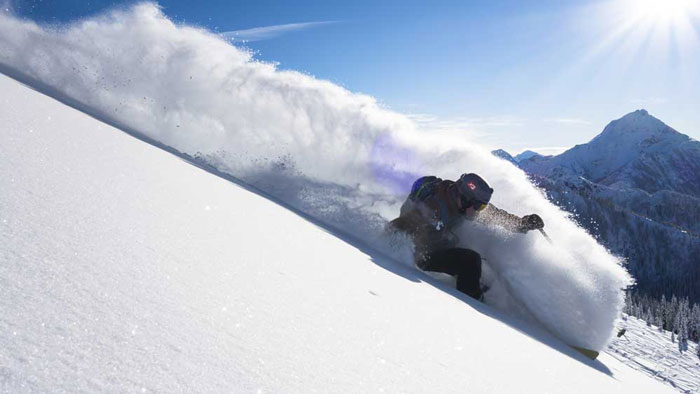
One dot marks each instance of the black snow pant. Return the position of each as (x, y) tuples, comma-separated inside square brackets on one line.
[(465, 264)]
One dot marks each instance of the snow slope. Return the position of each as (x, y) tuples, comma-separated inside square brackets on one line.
[(651, 351), (338, 157), (123, 268)]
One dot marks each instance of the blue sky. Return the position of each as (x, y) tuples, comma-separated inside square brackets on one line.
[(513, 74)]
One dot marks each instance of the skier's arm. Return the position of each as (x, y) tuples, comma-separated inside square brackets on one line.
[(493, 215), (407, 220), (398, 224)]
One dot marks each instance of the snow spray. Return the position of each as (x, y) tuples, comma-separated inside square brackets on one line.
[(335, 155)]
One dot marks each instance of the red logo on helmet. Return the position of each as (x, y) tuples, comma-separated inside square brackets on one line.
[(471, 185)]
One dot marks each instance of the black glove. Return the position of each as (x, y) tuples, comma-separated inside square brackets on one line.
[(531, 222)]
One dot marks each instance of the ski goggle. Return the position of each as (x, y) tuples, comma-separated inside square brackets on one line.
[(477, 205)]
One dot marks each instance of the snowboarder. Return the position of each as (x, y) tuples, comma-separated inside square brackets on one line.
[(434, 207)]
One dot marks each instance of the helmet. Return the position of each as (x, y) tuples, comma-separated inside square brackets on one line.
[(474, 191)]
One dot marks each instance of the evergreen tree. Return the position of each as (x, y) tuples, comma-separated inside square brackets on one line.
[(659, 321), (667, 314), (682, 325), (695, 323), (628, 304), (672, 314)]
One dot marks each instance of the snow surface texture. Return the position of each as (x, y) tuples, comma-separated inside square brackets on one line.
[(334, 155), (125, 269), (651, 351)]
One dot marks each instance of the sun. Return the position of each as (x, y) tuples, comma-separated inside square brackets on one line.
[(656, 25), (662, 12)]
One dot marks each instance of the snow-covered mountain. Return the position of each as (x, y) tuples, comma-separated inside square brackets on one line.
[(504, 155), (637, 187), (636, 151), (124, 268), (528, 154), (656, 233)]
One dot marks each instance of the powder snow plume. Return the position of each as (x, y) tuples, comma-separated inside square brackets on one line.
[(335, 155)]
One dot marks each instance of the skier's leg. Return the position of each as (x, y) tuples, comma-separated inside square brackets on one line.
[(470, 274), (465, 264), (445, 261)]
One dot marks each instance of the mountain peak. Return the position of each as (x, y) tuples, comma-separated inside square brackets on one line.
[(525, 155), (635, 126), (504, 155), (500, 152), (639, 116), (636, 114), (635, 151)]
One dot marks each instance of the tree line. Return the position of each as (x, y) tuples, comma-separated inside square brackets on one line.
[(678, 316)]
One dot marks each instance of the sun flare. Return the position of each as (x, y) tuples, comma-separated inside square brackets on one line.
[(665, 12), (655, 25)]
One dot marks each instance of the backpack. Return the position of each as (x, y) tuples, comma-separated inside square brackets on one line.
[(423, 188)]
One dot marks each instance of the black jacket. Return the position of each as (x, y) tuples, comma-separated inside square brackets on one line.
[(430, 222)]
